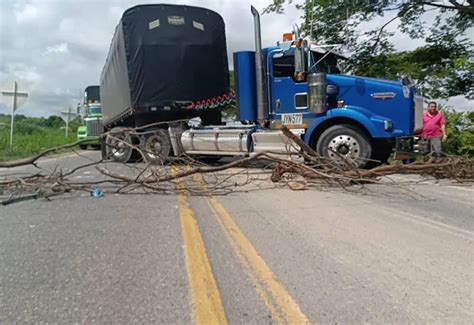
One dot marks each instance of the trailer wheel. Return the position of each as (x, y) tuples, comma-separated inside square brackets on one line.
[(345, 142), (157, 146), (103, 148), (119, 145)]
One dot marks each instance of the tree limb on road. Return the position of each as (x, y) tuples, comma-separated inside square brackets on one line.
[(315, 170)]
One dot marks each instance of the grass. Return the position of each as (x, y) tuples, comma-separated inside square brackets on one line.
[(28, 144)]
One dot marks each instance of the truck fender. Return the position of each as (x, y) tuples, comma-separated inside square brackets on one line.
[(372, 125)]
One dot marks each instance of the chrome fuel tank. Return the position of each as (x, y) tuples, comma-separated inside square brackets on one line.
[(216, 141)]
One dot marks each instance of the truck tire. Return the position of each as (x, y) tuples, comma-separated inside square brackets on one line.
[(83, 146), (382, 149), (118, 145), (103, 148), (381, 156), (156, 146), (346, 141)]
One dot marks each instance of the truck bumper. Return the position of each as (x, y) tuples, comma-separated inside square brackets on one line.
[(404, 148)]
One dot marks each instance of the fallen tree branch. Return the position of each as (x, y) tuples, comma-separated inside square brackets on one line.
[(279, 168)]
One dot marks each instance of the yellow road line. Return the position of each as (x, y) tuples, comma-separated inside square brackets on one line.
[(206, 300), (282, 306)]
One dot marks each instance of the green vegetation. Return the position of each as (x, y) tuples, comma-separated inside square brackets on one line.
[(32, 135), (230, 111), (460, 129)]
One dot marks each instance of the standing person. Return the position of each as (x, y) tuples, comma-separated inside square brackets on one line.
[(434, 129)]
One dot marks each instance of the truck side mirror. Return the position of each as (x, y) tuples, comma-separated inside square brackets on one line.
[(300, 61), (406, 81)]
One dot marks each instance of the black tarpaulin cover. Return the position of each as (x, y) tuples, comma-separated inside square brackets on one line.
[(164, 53)]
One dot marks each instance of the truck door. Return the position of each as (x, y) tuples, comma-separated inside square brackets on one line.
[(286, 94)]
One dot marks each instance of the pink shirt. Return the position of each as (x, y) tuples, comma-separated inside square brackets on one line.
[(432, 125)]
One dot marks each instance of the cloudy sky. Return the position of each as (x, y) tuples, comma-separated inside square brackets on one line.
[(55, 48)]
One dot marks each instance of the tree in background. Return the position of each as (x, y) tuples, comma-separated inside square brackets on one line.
[(442, 66), (460, 129)]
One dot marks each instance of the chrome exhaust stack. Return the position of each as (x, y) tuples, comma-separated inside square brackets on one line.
[(261, 106)]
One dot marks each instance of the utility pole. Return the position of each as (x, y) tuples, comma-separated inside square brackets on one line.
[(14, 99), (15, 90), (67, 119)]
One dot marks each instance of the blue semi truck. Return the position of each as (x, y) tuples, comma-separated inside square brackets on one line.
[(294, 83)]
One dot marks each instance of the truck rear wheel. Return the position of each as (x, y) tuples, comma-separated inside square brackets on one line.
[(119, 146), (380, 154), (345, 141), (157, 146)]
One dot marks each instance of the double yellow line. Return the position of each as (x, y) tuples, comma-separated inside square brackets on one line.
[(207, 305)]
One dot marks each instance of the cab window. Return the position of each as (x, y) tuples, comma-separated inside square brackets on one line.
[(283, 66)]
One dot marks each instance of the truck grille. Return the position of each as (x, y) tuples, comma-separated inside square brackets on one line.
[(94, 127), (418, 113)]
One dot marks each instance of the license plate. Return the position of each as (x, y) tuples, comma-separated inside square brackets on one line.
[(292, 118)]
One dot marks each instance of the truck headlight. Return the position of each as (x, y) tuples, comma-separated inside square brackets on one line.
[(387, 125)]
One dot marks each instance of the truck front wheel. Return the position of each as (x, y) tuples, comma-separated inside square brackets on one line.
[(347, 142)]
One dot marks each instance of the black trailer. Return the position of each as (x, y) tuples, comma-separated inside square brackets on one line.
[(162, 58)]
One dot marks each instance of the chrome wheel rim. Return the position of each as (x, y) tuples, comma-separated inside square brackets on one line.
[(154, 147), (344, 145), (119, 148)]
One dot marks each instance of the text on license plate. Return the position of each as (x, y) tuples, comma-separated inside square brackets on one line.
[(291, 119)]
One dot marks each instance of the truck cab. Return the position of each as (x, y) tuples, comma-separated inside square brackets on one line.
[(92, 119), (340, 116)]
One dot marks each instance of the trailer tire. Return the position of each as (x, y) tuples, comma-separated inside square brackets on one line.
[(156, 146), (119, 145), (103, 148), (346, 141)]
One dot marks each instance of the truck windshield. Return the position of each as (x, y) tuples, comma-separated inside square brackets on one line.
[(95, 109), (284, 66), (328, 63)]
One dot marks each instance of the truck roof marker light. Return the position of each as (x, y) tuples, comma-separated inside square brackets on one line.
[(340, 103), (287, 37)]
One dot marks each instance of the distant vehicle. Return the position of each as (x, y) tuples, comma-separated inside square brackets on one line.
[(169, 62), (92, 118)]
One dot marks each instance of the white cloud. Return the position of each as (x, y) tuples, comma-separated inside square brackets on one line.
[(58, 48), (28, 77), (26, 13)]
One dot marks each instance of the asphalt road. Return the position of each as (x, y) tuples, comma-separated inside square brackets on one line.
[(383, 254)]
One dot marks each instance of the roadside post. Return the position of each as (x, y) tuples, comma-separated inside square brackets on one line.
[(13, 99), (66, 116)]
